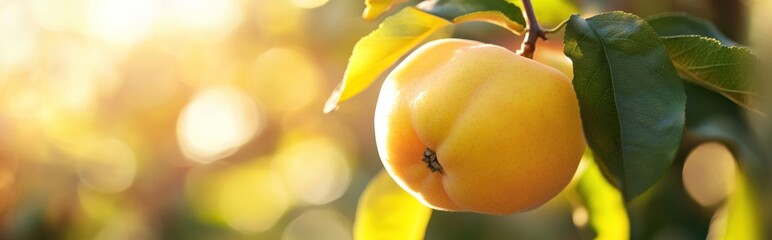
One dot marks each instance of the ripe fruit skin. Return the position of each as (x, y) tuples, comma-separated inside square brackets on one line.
[(506, 129)]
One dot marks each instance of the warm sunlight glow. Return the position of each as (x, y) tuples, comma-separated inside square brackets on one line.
[(122, 22), (212, 19), (216, 123), (76, 75), (58, 15), (709, 173), (309, 3), (316, 169), (277, 17), (108, 166), (18, 39), (319, 224)]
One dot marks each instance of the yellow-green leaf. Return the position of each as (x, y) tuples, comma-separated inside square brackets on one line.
[(603, 202), (376, 52), (374, 8), (386, 211), (741, 216)]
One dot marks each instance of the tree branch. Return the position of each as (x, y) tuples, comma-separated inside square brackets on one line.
[(533, 31)]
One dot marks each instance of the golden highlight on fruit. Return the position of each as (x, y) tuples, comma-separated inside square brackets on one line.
[(467, 126)]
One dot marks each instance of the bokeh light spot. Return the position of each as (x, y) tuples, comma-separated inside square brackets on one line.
[(316, 169), (285, 78), (216, 123), (709, 173), (580, 216), (278, 17), (108, 166), (253, 198), (319, 224)]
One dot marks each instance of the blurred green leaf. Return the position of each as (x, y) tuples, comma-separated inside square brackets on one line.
[(375, 8), (667, 206), (711, 117), (386, 211), (723, 69), (551, 13), (631, 98), (376, 52), (499, 12), (676, 24), (605, 206)]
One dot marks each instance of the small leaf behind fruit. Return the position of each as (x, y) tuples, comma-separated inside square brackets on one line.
[(374, 8), (499, 12), (675, 24), (723, 69), (631, 98), (386, 211), (376, 52)]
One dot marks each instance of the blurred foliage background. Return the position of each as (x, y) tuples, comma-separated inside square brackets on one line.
[(201, 119)]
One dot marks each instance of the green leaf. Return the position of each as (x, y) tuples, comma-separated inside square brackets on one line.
[(374, 8), (386, 211), (725, 70), (604, 204), (631, 99), (376, 52), (676, 24), (551, 13), (499, 12)]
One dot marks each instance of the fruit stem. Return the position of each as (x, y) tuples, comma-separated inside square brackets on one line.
[(533, 31)]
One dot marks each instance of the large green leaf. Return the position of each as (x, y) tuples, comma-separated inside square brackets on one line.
[(376, 52), (675, 24), (631, 98), (723, 69), (386, 211), (499, 12)]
